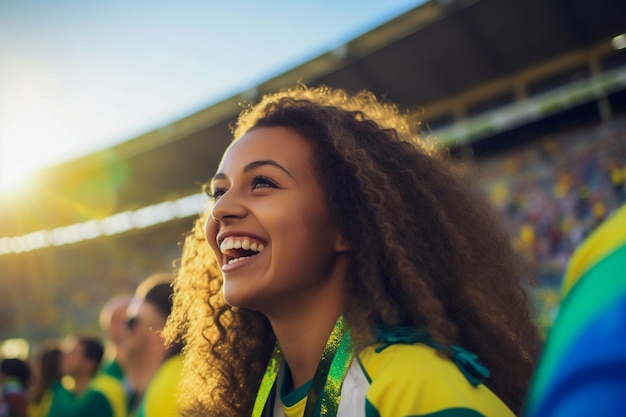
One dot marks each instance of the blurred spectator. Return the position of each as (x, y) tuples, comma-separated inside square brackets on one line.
[(112, 322), (14, 378), (554, 191), (97, 394), (47, 397), (618, 178), (153, 368), (582, 370)]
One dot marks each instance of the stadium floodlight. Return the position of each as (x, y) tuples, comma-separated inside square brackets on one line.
[(619, 41), (188, 206)]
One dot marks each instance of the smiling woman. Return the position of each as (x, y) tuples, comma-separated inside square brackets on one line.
[(378, 257)]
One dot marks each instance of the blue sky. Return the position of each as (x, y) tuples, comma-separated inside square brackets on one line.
[(78, 76)]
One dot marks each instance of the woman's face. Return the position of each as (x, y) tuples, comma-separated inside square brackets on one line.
[(270, 227)]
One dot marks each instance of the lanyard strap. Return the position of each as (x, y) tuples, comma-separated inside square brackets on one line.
[(328, 379), (268, 381)]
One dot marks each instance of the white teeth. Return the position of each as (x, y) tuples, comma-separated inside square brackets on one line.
[(227, 244), (240, 243), (235, 260)]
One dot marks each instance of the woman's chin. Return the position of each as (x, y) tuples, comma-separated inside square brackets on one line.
[(237, 299)]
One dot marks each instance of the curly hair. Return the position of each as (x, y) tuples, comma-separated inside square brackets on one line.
[(426, 250)]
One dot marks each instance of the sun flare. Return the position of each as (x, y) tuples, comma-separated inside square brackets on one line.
[(18, 155), (27, 143)]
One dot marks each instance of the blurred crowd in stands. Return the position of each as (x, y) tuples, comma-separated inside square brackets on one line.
[(552, 192), (124, 370), (64, 283)]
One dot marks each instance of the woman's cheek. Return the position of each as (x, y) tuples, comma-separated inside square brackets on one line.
[(210, 235)]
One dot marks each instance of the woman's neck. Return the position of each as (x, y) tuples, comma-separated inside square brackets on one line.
[(302, 324), (303, 338)]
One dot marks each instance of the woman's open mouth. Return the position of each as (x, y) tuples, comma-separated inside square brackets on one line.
[(238, 248)]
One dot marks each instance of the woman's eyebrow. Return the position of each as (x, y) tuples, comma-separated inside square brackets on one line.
[(256, 164), (252, 165), (218, 176)]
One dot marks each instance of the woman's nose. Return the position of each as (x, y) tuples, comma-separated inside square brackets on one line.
[(228, 206)]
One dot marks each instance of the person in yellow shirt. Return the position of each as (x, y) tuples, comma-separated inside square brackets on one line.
[(346, 268), (153, 368), (96, 394), (47, 396), (112, 322)]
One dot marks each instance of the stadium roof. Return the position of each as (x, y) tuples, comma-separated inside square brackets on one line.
[(449, 58)]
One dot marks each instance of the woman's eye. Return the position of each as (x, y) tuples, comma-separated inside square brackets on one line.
[(214, 193), (262, 182)]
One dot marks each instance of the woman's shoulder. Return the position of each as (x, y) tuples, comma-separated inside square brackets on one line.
[(417, 379), (414, 361)]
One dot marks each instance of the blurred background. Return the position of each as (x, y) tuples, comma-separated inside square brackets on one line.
[(113, 116)]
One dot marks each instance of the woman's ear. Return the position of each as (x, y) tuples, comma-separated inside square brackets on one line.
[(341, 244)]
